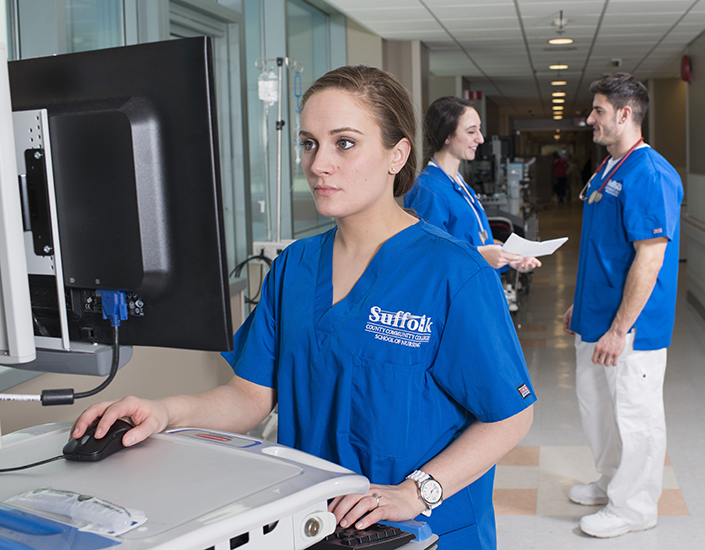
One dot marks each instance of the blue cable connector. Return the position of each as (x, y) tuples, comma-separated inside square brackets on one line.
[(114, 306)]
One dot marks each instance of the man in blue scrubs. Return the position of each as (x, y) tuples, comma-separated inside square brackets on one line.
[(624, 310)]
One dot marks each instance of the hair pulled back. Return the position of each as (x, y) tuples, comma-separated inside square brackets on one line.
[(391, 108), (441, 121)]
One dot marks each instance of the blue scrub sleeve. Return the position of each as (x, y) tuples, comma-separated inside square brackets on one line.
[(652, 206), (430, 206), (254, 354), (439, 204), (480, 362)]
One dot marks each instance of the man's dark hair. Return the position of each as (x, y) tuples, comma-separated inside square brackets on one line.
[(623, 89)]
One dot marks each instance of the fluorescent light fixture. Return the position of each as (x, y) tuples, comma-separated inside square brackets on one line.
[(558, 94), (560, 41), (558, 107), (558, 67), (557, 117), (557, 100), (558, 83)]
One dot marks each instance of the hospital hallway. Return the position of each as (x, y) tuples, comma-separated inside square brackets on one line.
[(532, 481)]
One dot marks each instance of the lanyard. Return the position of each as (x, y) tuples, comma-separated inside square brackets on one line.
[(474, 204), (596, 196)]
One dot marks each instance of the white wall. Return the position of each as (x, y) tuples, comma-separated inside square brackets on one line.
[(364, 47), (694, 219), (442, 86)]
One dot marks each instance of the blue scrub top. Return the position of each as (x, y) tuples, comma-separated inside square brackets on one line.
[(441, 201), (388, 377), (641, 201)]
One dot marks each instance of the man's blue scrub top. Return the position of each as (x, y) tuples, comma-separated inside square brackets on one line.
[(388, 377), (440, 201), (641, 201)]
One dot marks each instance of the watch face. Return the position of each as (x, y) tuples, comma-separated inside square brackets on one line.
[(431, 491)]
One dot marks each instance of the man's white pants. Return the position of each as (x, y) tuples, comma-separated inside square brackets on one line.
[(624, 420)]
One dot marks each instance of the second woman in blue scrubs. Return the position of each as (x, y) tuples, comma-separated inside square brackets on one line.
[(441, 196), (382, 340)]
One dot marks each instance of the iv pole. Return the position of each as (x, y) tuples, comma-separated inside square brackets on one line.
[(261, 63)]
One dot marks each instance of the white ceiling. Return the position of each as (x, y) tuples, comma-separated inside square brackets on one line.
[(501, 46)]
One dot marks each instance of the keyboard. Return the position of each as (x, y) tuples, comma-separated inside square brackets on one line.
[(375, 537)]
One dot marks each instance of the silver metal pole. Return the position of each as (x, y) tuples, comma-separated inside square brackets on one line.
[(280, 126)]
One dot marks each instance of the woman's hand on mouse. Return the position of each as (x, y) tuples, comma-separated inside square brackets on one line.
[(147, 417), (382, 502)]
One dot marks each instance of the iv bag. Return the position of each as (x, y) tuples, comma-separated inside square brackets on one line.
[(268, 87)]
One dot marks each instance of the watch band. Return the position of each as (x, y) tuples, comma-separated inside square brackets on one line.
[(418, 476), (422, 479)]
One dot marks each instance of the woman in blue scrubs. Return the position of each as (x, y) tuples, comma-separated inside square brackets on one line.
[(372, 337), (441, 196)]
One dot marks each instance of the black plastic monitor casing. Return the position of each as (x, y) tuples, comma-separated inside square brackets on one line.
[(136, 166)]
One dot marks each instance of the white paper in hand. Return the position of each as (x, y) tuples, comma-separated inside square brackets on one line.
[(525, 248)]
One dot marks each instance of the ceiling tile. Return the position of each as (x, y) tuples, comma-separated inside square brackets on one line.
[(647, 35)]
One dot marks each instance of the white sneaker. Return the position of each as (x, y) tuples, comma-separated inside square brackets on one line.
[(588, 495), (606, 524)]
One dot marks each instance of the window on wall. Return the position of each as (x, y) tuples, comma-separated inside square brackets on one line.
[(225, 30), (4, 29), (48, 27), (257, 126), (94, 24), (308, 29)]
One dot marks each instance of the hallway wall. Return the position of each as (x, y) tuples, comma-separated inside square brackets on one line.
[(667, 121), (694, 218)]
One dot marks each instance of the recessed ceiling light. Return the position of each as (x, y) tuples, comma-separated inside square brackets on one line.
[(556, 137), (558, 67), (557, 117), (559, 41), (556, 100), (558, 107), (558, 94), (558, 83)]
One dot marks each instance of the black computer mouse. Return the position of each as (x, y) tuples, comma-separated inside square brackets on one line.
[(90, 449)]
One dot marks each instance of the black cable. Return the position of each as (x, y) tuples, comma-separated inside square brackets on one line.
[(67, 397), (17, 468), (113, 368), (255, 299), (238, 268)]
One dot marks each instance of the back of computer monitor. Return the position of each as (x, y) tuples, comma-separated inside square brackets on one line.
[(135, 164)]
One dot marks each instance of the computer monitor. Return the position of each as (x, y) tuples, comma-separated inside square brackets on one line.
[(117, 153)]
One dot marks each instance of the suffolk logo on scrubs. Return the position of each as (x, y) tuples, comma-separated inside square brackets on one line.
[(613, 188), (399, 327)]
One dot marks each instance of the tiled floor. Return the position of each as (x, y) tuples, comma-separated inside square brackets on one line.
[(532, 482)]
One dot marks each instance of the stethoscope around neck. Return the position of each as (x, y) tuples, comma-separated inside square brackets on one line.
[(472, 201), (596, 195)]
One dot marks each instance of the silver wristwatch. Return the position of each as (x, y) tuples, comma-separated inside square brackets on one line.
[(430, 491)]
